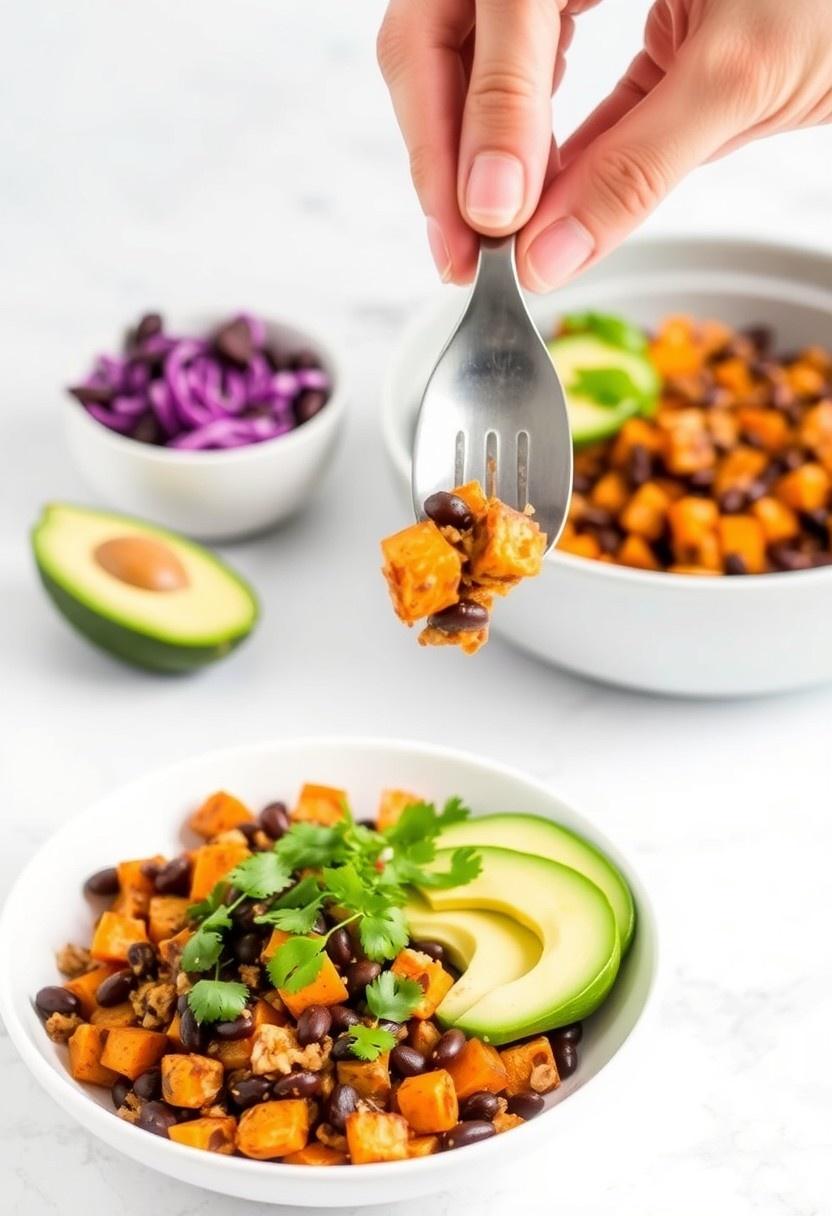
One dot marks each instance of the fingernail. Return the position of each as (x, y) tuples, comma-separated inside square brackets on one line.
[(558, 252), (439, 249), (494, 194)]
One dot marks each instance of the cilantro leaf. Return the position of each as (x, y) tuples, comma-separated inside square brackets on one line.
[(605, 385), (217, 1000), (465, 865), (301, 893), (369, 1042), (614, 330), (296, 963), (293, 920), (204, 947), (420, 821), (261, 875), (392, 997), (212, 901), (383, 934), (346, 888), (309, 845)]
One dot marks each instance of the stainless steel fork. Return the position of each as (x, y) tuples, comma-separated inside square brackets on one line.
[(494, 409)]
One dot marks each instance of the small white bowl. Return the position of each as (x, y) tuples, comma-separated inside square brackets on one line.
[(666, 633), (216, 496), (46, 908)]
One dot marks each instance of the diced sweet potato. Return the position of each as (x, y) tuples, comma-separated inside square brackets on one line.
[(122, 1014), (316, 1154), (391, 806), (734, 374), (422, 1146), (675, 351), (473, 494), (370, 1079), (610, 492), (743, 536), (422, 570), (693, 531), (815, 430), (170, 949), (373, 1136), (166, 915), (220, 812), (85, 986), (646, 511), (507, 545), (213, 1133), (804, 489), (778, 521), (191, 1081), (320, 804), (530, 1066), (114, 935), (767, 428), (274, 1129), (682, 568), (429, 1102), (635, 552), (135, 886), (423, 1035), (212, 862), (131, 1050), (174, 1034), (805, 379), (739, 468), (636, 432), (504, 1121), (85, 1051), (233, 1054), (478, 1066), (327, 988), (687, 444), (582, 544), (434, 979)]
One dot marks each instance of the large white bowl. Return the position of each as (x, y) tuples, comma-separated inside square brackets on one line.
[(221, 495), (46, 908), (659, 632)]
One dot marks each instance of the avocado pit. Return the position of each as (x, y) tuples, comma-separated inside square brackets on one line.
[(142, 561)]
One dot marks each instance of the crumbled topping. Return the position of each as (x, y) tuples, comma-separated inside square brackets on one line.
[(327, 1135), (250, 975), (62, 1026), (276, 1049), (153, 1004), (73, 960), (183, 984), (543, 1077), (129, 1109)]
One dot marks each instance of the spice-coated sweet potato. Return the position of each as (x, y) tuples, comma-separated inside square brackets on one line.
[(220, 812), (85, 1050), (213, 1133), (507, 545), (212, 862), (635, 552), (85, 986), (478, 1066), (423, 1035), (646, 511), (135, 885), (374, 1136), (171, 948), (316, 1154), (429, 1102), (114, 935), (274, 1129), (370, 1079), (432, 976), (804, 489), (474, 496), (327, 988), (530, 1066), (422, 1146), (191, 1081), (166, 915), (742, 536), (391, 806), (131, 1050), (422, 570), (122, 1014), (778, 521), (320, 804)]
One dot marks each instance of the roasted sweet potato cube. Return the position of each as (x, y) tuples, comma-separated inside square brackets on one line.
[(636, 432), (166, 915), (778, 521), (274, 1129), (422, 1146), (610, 492), (635, 552), (370, 1079), (114, 935), (429, 1102), (85, 1050), (423, 1035), (739, 468), (213, 1133), (316, 1154), (580, 545), (687, 446), (473, 494), (734, 375), (530, 1066), (767, 428), (131, 1050), (646, 511), (220, 812), (85, 986), (742, 536), (507, 545), (804, 489), (233, 1054), (212, 862), (122, 1014), (174, 1034), (327, 988), (170, 948), (322, 804), (432, 976), (693, 531), (391, 806), (806, 379), (478, 1066), (373, 1136), (815, 431), (191, 1081), (422, 570), (135, 886)]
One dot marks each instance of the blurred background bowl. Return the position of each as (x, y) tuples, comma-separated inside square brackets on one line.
[(665, 633), (212, 495)]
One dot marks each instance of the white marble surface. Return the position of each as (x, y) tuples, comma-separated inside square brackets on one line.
[(204, 153)]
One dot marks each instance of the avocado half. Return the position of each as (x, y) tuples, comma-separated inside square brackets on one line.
[(198, 613)]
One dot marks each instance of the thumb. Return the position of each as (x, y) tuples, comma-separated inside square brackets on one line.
[(613, 183), (507, 121)]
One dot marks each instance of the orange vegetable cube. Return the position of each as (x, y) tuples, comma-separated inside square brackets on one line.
[(85, 987), (507, 545), (805, 379), (391, 806), (422, 570), (213, 1134), (693, 531), (473, 494), (131, 1050), (530, 1066), (274, 1129), (778, 521), (584, 545), (114, 935), (174, 1034), (85, 1050), (768, 427), (646, 511), (327, 988), (434, 979), (634, 551), (220, 812), (316, 1154), (170, 948), (166, 916), (739, 468), (743, 536), (320, 804), (815, 429), (135, 887), (635, 432), (114, 1015), (804, 489), (688, 446), (422, 1146), (369, 1078), (681, 568), (478, 1066), (734, 374), (610, 492), (424, 1036), (429, 1102), (212, 862), (191, 1081), (373, 1136)]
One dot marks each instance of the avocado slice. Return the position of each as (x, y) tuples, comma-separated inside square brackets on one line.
[(489, 948), (146, 595), (592, 420), (543, 838), (574, 922)]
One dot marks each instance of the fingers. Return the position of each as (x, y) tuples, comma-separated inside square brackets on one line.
[(420, 48), (614, 182), (507, 119), (641, 76)]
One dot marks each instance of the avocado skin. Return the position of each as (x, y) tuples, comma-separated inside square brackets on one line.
[(151, 654)]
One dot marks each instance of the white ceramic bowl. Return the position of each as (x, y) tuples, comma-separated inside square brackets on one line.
[(659, 632), (46, 908), (220, 495)]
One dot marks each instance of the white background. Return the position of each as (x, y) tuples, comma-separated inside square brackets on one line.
[(189, 155)]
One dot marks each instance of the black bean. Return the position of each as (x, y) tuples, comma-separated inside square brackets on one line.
[(821, 559), (339, 947), (149, 1085), (182, 1003), (142, 959), (407, 1061), (701, 481), (150, 869), (756, 489), (343, 1017), (235, 342), (174, 878), (303, 359), (247, 947), (297, 1085), (156, 1117), (57, 1000), (309, 403), (102, 882), (595, 517), (397, 1029), (609, 539), (148, 327), (121, 1088), (248, 1091), (190, 1031), (735, 564), (465, 616), (581, 484), (239, 1028), (817, 522), (434, 950), (342, 1048), (640, 465), (469, 1132), (250, 831), (526, 1104), (115, 989), (91, 394), (243, 916), (367, 823), (573, 1033), (566, 1058), (732, 501), (360, 974), (313, 1024), (449, 511), (342, 1102), (274, 820), (791, 459), (481, 1105), (786, 557), (448, 1047)]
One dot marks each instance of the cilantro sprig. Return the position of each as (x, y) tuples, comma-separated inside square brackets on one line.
[(392, 997), (369, 1042)]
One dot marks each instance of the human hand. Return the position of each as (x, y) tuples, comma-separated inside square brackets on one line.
[(713, 75)]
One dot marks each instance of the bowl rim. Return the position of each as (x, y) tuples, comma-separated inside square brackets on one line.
[(397, 453), (325, 419), (121, 1135)]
